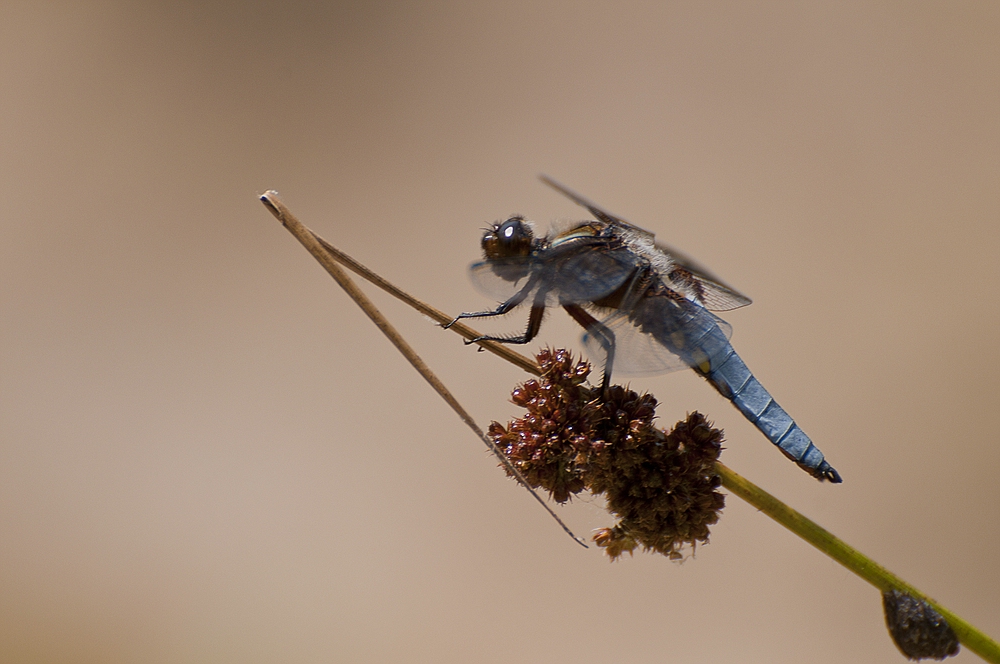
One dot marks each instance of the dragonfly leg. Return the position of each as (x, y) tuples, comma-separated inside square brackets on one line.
[(504, 308), (534, 324), (602, 333)]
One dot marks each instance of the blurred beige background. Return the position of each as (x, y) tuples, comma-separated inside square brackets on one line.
[(207, 454)]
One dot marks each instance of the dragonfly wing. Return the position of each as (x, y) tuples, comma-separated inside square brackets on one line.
[(582, 277), (591, 274), (695, 280), (718, 297), (600, 213), (499, 279), (701, 285), (636, 354), (639, 353)]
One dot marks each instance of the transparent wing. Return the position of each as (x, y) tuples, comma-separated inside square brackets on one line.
[(590, 274), (662, 335), (702, 285), (636, 354), (499, 280), (697, 283), (582, 276), (719, 297), (600, 213)]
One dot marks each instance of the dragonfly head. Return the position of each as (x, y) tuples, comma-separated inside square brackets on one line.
[(509, 239)]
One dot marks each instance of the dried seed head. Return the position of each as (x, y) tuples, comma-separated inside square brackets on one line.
[(543, 443), (918, 630), (661, 486)]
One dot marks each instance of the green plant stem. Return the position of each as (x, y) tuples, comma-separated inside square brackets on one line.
[(851, 558), (855, 561)]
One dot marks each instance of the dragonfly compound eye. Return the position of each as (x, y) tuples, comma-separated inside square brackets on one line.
[(509, 239)]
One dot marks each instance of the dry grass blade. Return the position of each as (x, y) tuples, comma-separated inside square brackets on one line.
[(461, 329), (324, 253)]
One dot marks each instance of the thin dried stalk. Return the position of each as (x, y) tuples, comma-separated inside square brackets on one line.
[(321, 252)]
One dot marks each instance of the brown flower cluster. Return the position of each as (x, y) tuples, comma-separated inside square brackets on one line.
[(661, 486)]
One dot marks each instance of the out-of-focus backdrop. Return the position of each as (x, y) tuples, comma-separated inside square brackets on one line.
[(207, 453)]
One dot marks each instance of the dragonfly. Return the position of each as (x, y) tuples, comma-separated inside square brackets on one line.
[(643, 305)]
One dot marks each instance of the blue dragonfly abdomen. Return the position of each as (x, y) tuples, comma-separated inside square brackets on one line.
[(700, 340), (733, 379)]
